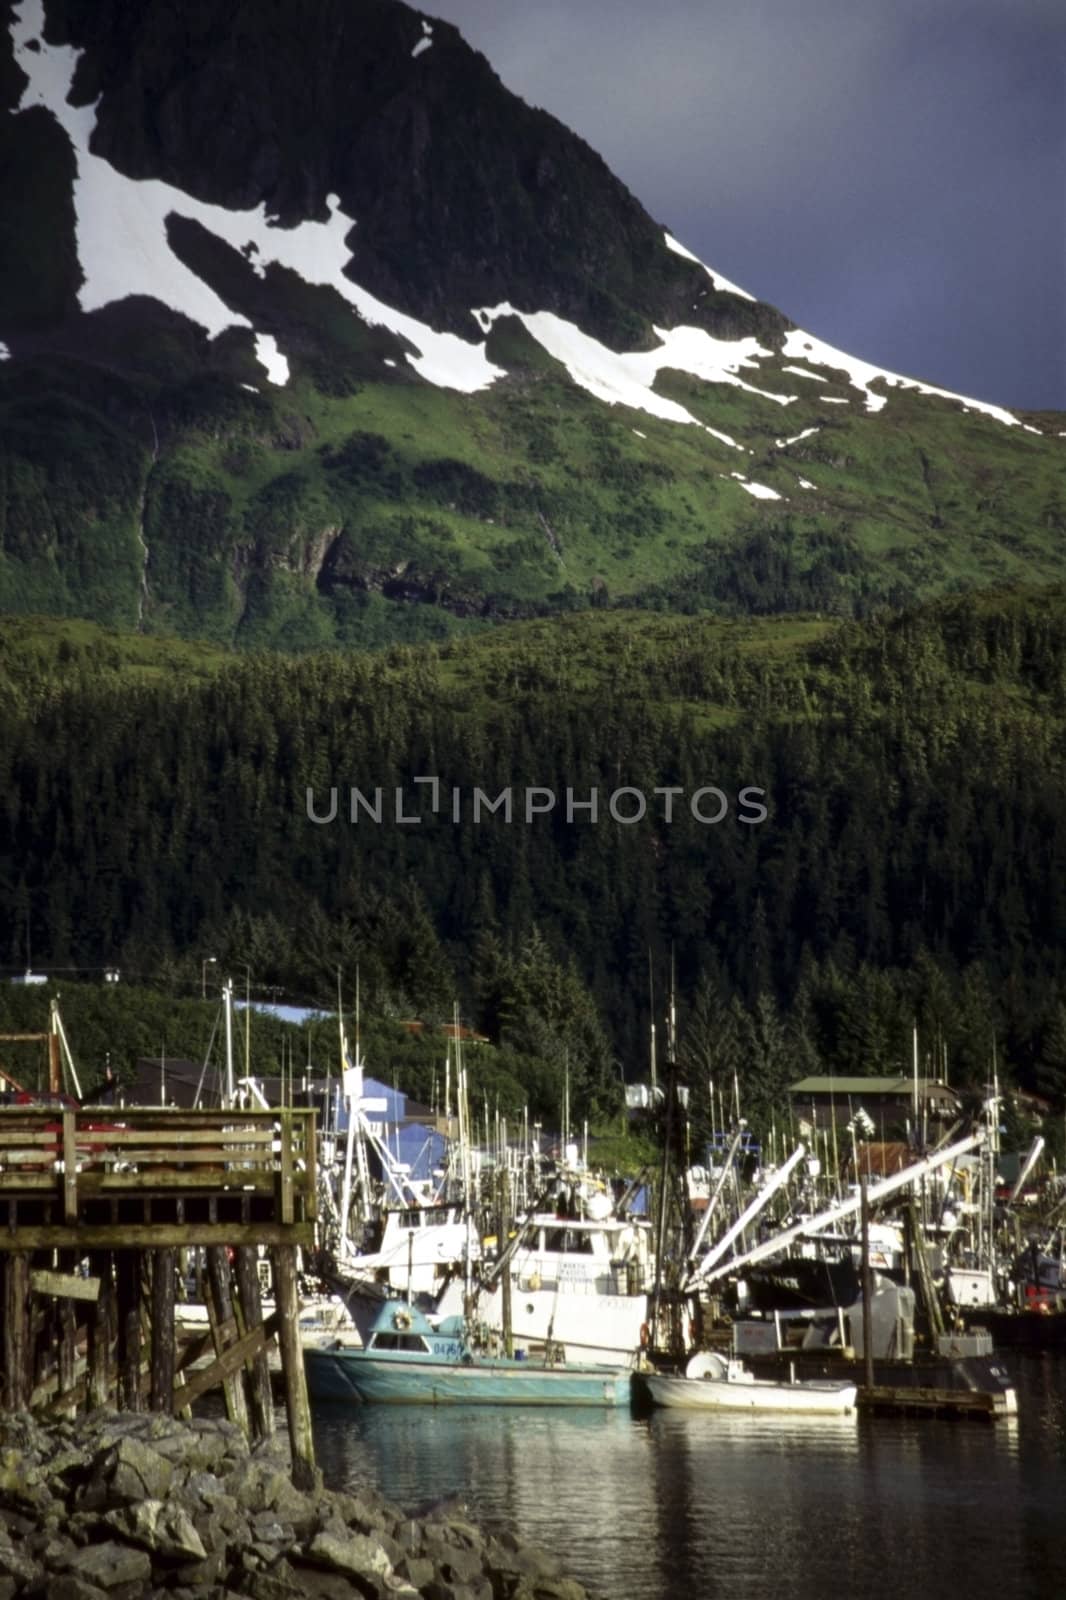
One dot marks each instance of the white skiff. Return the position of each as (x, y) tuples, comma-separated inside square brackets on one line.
[(714, 1383)]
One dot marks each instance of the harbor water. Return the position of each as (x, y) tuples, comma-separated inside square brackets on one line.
[(697, 1504)]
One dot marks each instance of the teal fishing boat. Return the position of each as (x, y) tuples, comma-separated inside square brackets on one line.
[(406, 1360)]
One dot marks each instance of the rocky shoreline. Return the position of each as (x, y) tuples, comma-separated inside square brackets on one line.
[(120, 1506)]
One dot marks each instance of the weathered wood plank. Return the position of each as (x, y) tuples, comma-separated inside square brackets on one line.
[(154, 1236), (67, 1285), (177, 1138), (223, 1179), (188, 1159)]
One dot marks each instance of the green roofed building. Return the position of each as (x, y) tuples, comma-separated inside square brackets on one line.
[(888, 1102)]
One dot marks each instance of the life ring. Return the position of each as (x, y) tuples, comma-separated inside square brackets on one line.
[(402, 1321), (645, 1336)]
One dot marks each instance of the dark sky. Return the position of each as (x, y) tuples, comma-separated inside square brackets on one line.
[(890, 173)]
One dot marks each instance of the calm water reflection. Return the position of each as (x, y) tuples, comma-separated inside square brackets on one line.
[(697, 1505)]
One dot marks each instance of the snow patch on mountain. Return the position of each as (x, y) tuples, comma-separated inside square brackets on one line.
[(426, 39), (5, 353), (732, 443), (269, 356), (782, 444), (627, 378), (715, 277), (759, 490), (123, 248), (801, 372), (805, 347)]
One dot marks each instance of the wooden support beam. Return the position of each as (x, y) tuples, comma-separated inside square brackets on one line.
[(128, 1297), (101, 1336), (250, 1305), (310, 1176), (70, 1169), (297, 1401), (154, 1236), (285, 1177), (164, 1266), (67, 1337), (227, 1364), (220, 1310), (18, 1352)]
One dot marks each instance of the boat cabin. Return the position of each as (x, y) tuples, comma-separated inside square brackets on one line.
[(401, 1330)]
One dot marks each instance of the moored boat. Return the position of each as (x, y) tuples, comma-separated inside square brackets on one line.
[(713, 1382), (406, 1360)]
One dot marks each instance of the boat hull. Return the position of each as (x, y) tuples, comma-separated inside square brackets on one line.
[(709, 1394), (353, 1375)]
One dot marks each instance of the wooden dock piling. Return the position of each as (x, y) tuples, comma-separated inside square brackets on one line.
[(250, 1302), (297, 1401)]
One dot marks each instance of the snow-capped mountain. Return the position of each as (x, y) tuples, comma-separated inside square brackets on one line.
[(302, 313)]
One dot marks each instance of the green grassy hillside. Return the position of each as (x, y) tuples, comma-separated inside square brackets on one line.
[(304, 517)]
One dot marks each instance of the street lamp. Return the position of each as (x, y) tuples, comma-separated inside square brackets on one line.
[(208, 961)]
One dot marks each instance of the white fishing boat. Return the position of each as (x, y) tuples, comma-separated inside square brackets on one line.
[(576, 1283), (712, 1382)]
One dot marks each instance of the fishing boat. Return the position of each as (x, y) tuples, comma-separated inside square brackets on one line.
[(407, 1360), (577, 1283), (712, 1382)]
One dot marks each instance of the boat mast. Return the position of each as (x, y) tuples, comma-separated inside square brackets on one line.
[(348, 1090), (651, 1005), (227, 1001)]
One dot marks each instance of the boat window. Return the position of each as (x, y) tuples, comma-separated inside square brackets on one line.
[(400, 1341), (567, 1241)]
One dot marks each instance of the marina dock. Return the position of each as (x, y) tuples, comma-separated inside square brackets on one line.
[(915, 1401)]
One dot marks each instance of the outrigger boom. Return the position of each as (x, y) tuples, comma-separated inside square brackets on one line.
[(709, 1269)]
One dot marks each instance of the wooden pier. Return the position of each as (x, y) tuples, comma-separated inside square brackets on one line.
[(99, 1209)]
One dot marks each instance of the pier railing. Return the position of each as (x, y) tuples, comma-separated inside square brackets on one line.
[(94, 1169)]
